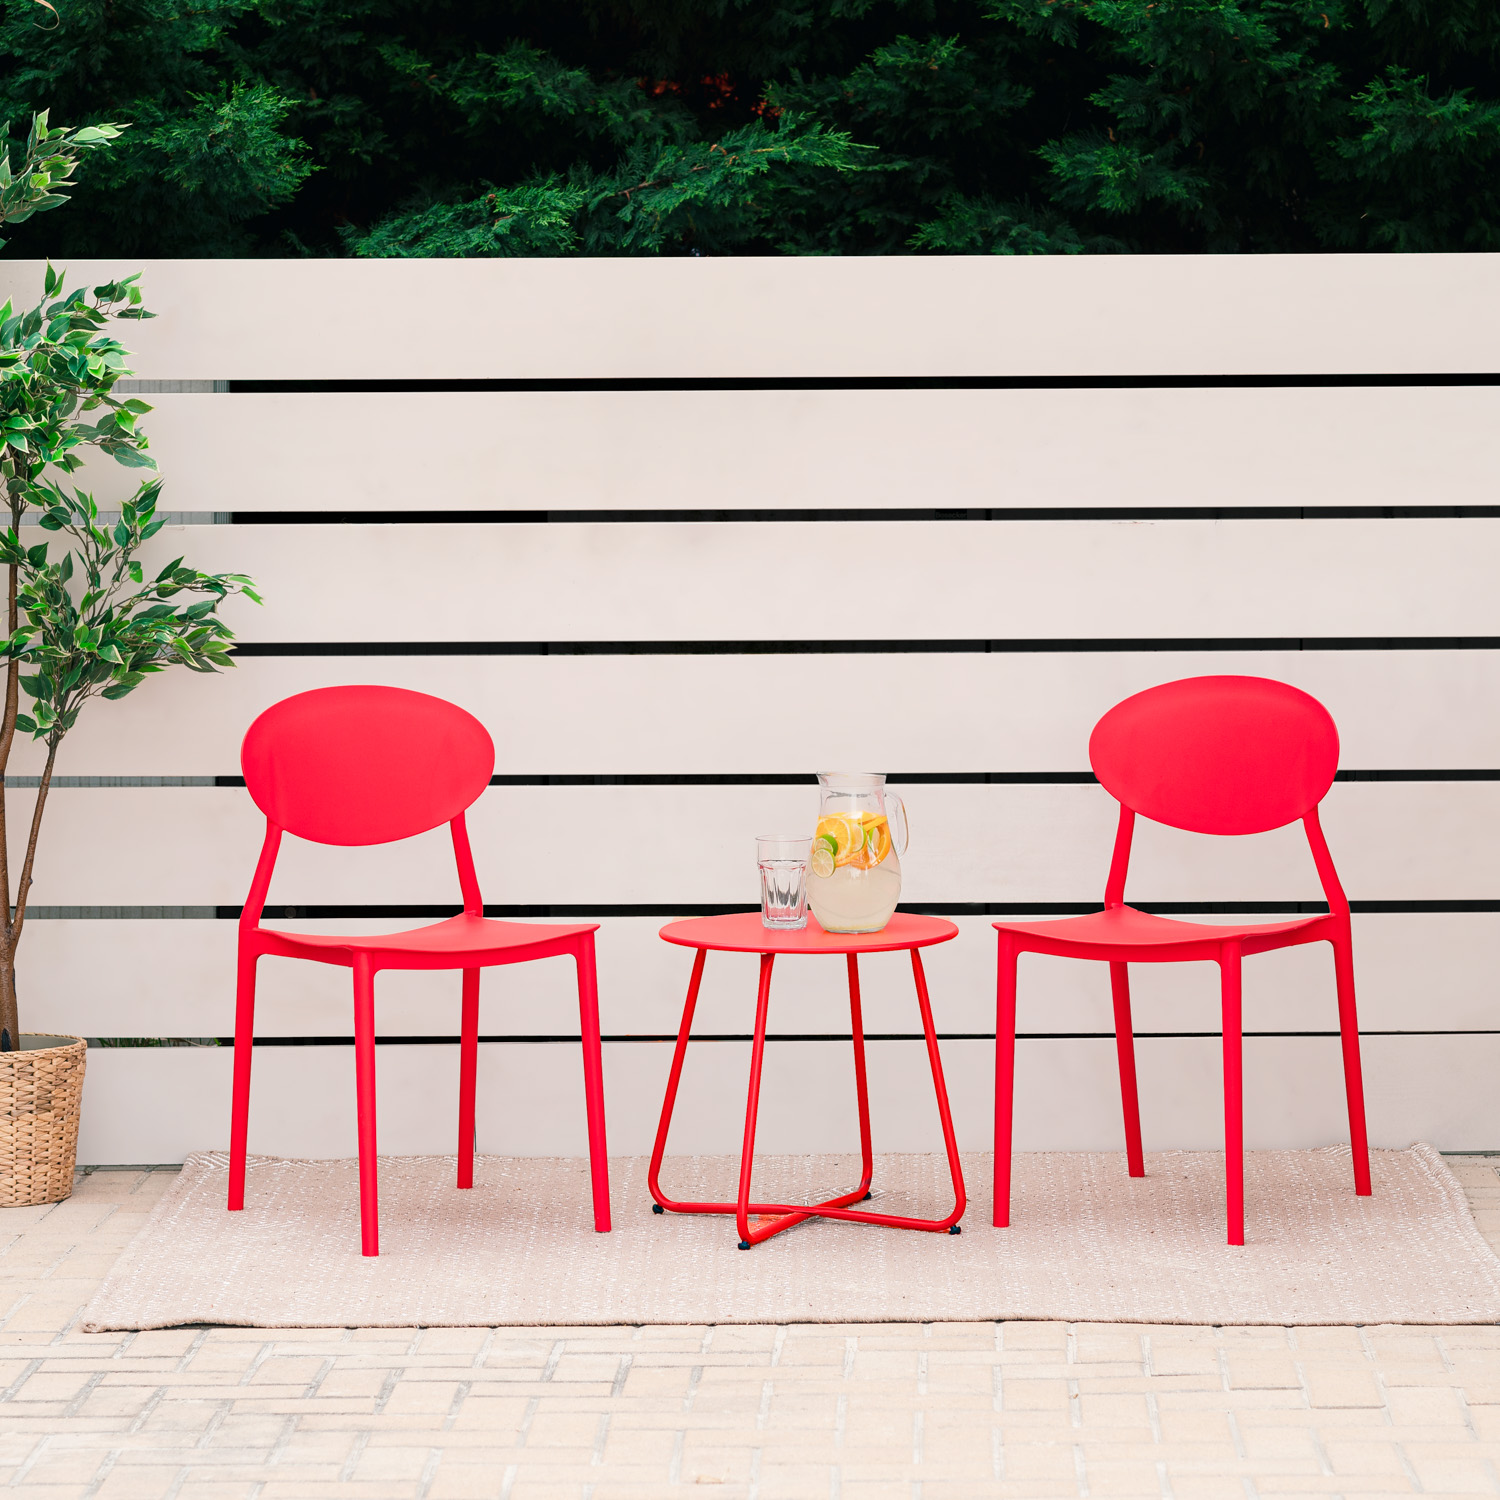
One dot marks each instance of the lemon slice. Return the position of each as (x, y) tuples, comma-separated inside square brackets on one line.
[(822, 860)]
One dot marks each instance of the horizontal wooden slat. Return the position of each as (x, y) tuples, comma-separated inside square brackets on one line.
[(1415, 972), (151, 1105), (805, 316), (922, 580), (608, 845), (826, 450), (687, 714)]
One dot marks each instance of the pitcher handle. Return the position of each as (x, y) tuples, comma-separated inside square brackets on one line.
[(895, 811)]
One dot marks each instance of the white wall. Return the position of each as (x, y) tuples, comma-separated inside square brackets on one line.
[(999, 638)]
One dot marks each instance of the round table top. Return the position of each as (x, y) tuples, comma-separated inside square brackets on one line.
[(744, 932)]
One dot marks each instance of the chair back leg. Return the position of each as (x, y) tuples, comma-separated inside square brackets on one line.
[(593, 1078), (244, 1044), (1234, 1092), (468, 1070), (364, 1096), (1119, 983), (1354, 1088), (1005, 1075)]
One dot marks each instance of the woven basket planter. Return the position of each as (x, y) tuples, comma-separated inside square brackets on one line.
[(41, 1093)]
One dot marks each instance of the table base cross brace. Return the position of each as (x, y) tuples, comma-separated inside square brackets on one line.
[(786, 1215)]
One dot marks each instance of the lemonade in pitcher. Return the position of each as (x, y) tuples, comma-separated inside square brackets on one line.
[(854, 871)]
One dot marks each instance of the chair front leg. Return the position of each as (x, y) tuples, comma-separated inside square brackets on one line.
[(1119, 983), (593, 1078), (244, 1044), (1005, 1075), (468, 1073), (1354, 1088), (1234, 1091), (364, 1094)]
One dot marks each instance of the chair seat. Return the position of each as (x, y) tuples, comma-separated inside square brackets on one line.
[(440, 945), (1123, 927)]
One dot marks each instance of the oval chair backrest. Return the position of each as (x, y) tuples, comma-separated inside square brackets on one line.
[(1217, 754), (365, 765)]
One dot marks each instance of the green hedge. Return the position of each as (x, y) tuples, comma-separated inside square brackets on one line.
[(805, 127)]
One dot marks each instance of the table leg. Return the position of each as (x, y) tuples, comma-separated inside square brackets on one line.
[(673, 1079), (950, 1140), (752, 1100), (861, 1083)]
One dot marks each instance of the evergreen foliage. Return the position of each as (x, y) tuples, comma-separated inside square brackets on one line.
[(603, 127)]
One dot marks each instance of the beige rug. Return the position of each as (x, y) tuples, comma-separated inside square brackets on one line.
[(1087, 1244)]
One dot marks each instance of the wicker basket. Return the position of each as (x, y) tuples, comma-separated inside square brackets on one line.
[(41, 1092)]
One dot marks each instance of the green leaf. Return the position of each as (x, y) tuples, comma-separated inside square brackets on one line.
[(132, 458)]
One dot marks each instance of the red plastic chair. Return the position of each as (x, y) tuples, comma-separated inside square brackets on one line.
[(1226, 755), (370, 765)]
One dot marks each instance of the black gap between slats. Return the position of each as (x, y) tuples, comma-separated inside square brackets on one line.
[(866, 648), (673, 910), (904, 778), (862, 515), (1214, 382), (660, 1038)]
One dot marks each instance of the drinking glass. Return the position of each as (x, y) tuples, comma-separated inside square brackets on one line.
[(783, 879)]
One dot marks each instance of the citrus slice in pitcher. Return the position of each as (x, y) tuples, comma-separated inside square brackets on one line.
[(821, 860), (847, 833)]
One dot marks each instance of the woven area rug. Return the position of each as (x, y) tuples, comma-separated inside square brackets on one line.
[(1087, 1243)]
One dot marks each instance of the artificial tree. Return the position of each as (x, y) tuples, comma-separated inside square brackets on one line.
[(87, 623)]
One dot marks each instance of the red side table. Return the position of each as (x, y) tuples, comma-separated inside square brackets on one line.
[(744, 932)]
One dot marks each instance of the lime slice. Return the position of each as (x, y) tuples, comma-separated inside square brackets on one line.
[(821, 862)]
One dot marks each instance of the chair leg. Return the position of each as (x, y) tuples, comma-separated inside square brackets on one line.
[(861, 1080), (468, 1071), (1234, 1092), (1354, 1088), (1005, 1074), (1119, 983), (244, 1044), (752, 1099), (364, 1093), (593, 1078)]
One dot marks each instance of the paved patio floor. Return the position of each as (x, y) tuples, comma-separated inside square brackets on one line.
[(909, 1410)]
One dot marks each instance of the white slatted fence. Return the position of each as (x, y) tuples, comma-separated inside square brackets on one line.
[(682, 533)]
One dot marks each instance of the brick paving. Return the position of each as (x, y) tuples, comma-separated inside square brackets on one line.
[(844, 1412)]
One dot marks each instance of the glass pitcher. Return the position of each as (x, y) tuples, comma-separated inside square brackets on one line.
[(854, 873)]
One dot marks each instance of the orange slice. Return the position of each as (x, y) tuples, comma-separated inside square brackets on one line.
[(846, 832)]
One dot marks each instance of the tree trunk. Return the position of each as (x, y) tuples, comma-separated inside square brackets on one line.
[(10, 1017)]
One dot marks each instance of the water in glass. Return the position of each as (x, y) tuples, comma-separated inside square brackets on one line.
[(783, 880)]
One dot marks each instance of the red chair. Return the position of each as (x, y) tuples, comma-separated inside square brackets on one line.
[(370, 765), (1226, 755)]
